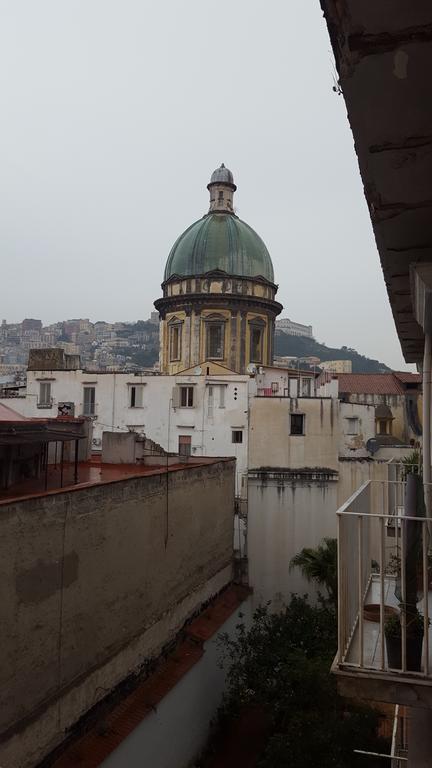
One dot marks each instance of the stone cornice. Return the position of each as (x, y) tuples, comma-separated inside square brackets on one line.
[(235, 301)]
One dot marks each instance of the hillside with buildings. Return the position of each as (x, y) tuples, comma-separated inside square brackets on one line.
[(288, 345), (101, 345)]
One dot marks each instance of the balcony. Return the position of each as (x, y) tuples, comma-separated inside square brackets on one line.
[(375, 539)]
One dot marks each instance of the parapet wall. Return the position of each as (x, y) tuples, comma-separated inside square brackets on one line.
[(95, 581)]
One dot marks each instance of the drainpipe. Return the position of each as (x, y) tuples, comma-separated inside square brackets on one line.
[(427, 421)]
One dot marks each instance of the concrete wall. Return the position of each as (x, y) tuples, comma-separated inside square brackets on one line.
[(271, 443), (93, 582), (284, 516), (178, 730), (289, 511)]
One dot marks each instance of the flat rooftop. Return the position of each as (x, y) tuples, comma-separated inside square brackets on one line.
[(92, 473)]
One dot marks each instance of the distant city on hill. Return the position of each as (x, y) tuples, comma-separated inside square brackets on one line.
[(135, 345)]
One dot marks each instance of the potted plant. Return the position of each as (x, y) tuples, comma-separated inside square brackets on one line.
[(414, 639)]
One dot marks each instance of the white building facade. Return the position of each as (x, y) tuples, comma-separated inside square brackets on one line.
[(186, 414), (294, 329)]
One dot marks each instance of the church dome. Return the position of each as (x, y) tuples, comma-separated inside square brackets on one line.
[(220, 240)]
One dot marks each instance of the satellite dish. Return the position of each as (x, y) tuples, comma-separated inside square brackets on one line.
[(251, 368), (198, 370)]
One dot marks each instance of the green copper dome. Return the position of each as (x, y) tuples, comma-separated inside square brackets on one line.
[(219, 241)]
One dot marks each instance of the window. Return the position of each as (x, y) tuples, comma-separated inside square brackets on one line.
[(382, 427), (237, 436), (222, 396), (45, 395), (136, 395), (297, 421), (256, 345), (220, 196), (274, 387), (184, 445), (186, 397), (306, 387), (89, 401), (215, 340), (210, 403), (175, 342), (352, 426)]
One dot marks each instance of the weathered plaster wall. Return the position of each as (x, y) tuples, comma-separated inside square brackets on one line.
[(96, 580), (283, 517), (270, 419), (287, 512), (175, 733), (354, 445)]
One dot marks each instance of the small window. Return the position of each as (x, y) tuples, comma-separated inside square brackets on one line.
[(45, 400), (256, 345), (222, 396), (382, 427), (220, 196), (184, 445), (136, 395), (297, 421), (352, 426), (215, 340), (306, 387), (237, 436), (210, 403), (175, 342), (186, 397), (274, 387), (89, 401)]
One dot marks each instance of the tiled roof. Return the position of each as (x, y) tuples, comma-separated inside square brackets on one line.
[(371, 383), (408, 378)]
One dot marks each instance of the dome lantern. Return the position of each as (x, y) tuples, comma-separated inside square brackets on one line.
[(221, 188)]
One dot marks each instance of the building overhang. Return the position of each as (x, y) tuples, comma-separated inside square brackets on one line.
[(407, 690), (384, 58)]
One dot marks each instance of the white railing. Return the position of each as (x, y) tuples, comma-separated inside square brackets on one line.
[(374, 537)]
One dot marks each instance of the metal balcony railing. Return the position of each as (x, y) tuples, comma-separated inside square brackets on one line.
[(45, 403), (374, 537)]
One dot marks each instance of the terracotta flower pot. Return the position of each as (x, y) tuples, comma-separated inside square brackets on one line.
[(371, 612)]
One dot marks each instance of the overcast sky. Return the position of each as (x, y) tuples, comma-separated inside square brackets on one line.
[(114, 113)]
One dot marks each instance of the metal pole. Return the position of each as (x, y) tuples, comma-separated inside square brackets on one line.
[(76, 462), (425, 542), (339, 588), (61, 464), (382, 588), (360, 589), (427, 421), (46, 464)]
